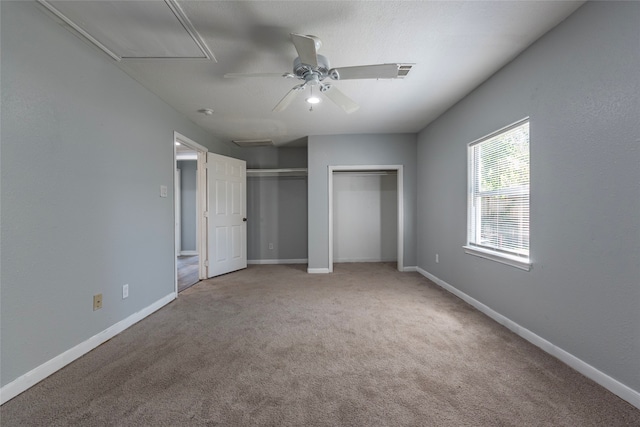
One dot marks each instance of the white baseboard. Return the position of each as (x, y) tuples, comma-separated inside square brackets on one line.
[(36, 375), (616, 387), (277, 261), (317, 270), (188, 253), (326, 270), (350, 260)]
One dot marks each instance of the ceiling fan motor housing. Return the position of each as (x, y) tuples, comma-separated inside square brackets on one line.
[(303, 70)]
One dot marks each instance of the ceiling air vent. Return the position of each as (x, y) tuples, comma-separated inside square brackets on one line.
[(253, 142), (403, 70)]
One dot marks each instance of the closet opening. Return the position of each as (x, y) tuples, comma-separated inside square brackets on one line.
[(366, 214)]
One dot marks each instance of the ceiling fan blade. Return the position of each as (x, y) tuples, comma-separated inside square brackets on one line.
[(288, 98), (378, 71), (239, 75), (306, 48), (339, 98)]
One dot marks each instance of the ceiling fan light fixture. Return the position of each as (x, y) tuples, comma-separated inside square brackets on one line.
[(313, 69)]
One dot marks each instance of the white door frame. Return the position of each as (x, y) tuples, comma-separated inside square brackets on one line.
[(369, 168), (201, 202), (177, 196)]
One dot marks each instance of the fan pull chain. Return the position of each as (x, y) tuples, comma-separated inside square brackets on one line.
[(311, 107)]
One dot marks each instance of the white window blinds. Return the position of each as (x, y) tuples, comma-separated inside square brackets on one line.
[(499, 191)]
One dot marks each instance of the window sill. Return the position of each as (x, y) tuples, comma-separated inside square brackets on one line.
[(513, 261)]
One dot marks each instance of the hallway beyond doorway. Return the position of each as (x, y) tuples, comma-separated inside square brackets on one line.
[(187, 271)]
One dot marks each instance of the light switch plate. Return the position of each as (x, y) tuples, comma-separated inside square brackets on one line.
[(164, 191), (97, 302)]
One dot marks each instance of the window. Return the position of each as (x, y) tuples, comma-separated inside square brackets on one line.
[(498, 206)]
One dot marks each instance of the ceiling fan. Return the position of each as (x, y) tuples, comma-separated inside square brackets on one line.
[(313, 69)]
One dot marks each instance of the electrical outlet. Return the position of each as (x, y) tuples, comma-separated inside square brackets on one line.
[(125, 291), (270, 246), (97, 302), (437, 258)]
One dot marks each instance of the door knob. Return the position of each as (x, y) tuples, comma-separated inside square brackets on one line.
[(244, 219)]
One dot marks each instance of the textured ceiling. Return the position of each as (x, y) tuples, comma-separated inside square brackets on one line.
[(454, 45)]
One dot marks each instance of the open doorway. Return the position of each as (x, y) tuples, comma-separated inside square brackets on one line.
[(186, 217), (190, 199)]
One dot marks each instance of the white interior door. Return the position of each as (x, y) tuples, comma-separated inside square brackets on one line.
[(226, 214)]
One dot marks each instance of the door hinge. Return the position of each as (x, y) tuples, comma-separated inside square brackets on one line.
[(206, 214), (206, 263)]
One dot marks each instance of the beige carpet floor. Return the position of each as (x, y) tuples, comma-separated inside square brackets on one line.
[(273, 345)]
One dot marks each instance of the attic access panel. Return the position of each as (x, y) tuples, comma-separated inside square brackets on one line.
[(133, 29)]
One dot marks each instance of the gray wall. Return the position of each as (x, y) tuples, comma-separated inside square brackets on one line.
[(277, 214), (188, 217), (273, 157), (580, 84), (276, 206), (393, 149), (85, 149)]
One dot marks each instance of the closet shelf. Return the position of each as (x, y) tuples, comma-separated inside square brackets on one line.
[(276, 172)]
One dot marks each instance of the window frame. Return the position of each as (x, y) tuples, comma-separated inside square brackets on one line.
[(520, 261)]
